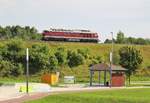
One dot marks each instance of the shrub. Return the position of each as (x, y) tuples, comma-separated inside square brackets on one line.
[(8, 69), (75, 59), (84, 52), (5, 68), (95, 60), (53, 63), (39, 57), (17, 69), (61, 56), (13, 51)]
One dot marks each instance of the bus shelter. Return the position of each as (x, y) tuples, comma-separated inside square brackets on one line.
[(116, 75)]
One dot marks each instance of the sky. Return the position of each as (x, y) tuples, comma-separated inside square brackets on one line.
[(102, 16)]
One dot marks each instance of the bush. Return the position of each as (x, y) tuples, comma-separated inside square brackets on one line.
[(75, 59), (12, 56), (8, 69), (13, 51), (17, 70), (5, 68), (84, 53), (39, 57), (61, 56), (53, 63), (95, 60)]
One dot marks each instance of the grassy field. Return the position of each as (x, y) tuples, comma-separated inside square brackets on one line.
[(82, 72), (103, 96)]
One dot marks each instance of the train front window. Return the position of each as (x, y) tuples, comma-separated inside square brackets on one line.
[(45, 31)]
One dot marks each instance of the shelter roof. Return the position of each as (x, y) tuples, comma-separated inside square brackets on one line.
[(106, 67)]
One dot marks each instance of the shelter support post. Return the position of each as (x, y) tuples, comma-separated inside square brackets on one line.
[(110, 84), (99, 77), (91, 76), (105, 78)]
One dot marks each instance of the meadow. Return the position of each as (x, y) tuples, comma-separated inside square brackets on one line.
[(138, 95)]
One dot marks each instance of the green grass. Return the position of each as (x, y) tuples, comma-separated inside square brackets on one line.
[(13, 80), (81, 72), (102, 96)]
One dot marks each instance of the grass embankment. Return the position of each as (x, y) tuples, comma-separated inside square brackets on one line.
[(82, 72), (102, 96)]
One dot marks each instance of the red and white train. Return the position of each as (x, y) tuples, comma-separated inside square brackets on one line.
[(70, 35)]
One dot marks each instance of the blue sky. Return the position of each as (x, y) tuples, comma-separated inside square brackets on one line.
[(102, 16)]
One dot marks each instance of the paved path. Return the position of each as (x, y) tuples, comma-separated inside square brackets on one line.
[(57, 90), (54, 90), (7, 92), (26, 98)]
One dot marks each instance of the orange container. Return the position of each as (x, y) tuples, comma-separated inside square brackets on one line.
[(50, 79)]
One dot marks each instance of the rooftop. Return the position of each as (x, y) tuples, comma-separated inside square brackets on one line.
[(106, 67)]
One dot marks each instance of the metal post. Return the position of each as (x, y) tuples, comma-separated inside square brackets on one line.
[(91, 73), (110, 69), (104, 78), (111, 60), (27, 70), (99, 77), (112, 49)]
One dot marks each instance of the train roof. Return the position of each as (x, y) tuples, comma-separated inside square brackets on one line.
[(69, 30)]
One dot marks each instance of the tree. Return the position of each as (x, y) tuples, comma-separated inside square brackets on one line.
[(130, 58), (108, 41), (140, 41), (130, 40), (17, 31), (120, 38), (1, 32)]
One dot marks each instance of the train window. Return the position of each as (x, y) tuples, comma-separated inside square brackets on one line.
[(45, 31)]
